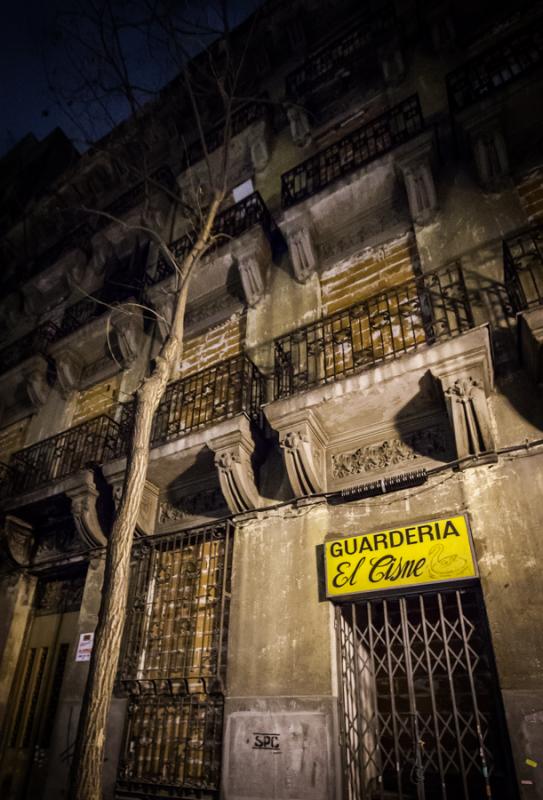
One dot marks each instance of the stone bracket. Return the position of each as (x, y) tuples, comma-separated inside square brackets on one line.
[(35, 380), (127, 330), (303, 441), (83, 494), (530, 326), (414, 163), (233, 452), (485, 134), (69, 368), (18, 539), (253, 256), (303, 253), (114, 473), (466, 387)]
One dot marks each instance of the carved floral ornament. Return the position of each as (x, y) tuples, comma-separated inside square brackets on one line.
[(428, 443)]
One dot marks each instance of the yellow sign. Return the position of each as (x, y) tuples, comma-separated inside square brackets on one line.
[(423, 553)]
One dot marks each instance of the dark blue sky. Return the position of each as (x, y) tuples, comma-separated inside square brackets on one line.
[(26, 46), (23, 85)]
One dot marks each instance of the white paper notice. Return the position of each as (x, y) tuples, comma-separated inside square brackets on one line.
[(84, 647)]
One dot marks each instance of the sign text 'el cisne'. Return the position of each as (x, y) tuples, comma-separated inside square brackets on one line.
[(428, 552)]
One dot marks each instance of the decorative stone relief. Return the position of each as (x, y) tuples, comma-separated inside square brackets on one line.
[(300, 129), (303, 442), (114, 474), (69, 369), (430, 442), (489, 150), (303, 255), (189, 506), (59, 596), (469, 415)]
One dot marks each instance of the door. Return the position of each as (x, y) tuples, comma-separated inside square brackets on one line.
[(422, 716), (35, 696)]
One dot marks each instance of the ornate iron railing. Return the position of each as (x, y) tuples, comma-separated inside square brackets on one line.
[(424, 310), (514, 57), (92, 442), (229, 224), (523, 268), (226, 389), (339, 54), (374, 139), (241, 119), (89, 308), (33, 343)]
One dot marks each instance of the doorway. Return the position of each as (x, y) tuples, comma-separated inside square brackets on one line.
[(422, 716), (36, 688)]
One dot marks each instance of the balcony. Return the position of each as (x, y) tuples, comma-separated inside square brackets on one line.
[(523, 268), (59, 456), (230, 224), (35, 342), (220, 392), (240, 119), (340, 54), (374, 139), (487, 73), (425, 310)]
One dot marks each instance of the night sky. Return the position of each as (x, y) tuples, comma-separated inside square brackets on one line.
[(27, 45)]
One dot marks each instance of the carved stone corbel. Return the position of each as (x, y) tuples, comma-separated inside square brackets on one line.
[(35, 380), (83, 495), (303, 253), (69, 368), (300, 129), (233, 451), (489, 150), (164, 304), (415, 165), (253, 256), (392, 62), (303, 441), (469, 414), (148, 511), (127, 332), (260, 145), (18, 538)]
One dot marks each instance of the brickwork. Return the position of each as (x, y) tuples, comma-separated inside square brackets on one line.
[(217, 344), (380, 268), (98, 399), (12, 438), (530, 189)]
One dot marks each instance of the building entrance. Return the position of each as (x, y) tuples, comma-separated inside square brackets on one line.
[(422, 716), (36, 689)]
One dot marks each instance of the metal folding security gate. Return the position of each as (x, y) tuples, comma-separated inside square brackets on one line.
[(421, 709)]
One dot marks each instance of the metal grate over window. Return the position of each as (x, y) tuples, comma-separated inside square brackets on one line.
[(421, 713), (174, 663)]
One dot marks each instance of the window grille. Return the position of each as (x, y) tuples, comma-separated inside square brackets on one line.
[(174, 663)]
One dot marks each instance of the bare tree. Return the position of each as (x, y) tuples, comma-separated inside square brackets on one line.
[(111, 47)]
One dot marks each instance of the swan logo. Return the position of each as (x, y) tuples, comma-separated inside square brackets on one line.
[(439, 550)]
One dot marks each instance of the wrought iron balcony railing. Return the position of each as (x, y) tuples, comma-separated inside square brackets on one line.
[(514, 57), (226, 389), (339, 54), (229, 224), (58, 456), (89, 308), (241, 119), (374, 139), (523, 268), (427, 309), (33, 343)]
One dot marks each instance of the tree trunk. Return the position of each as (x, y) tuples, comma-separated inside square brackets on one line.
[(86, 773)]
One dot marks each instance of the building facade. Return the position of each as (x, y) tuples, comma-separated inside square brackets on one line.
[(363, 355)]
